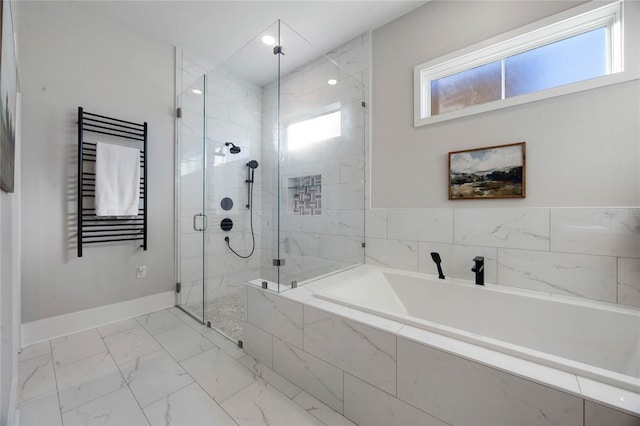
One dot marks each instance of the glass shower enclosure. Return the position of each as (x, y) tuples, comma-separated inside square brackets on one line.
[(270, 170)]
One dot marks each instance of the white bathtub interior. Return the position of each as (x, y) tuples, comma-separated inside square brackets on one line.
[(597, 340)]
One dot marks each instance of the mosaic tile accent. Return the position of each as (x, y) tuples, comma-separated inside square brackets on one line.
[(306, 195)]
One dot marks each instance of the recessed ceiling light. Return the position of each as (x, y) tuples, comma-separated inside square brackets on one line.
[(197, 91), (268, 40), (332, 81)]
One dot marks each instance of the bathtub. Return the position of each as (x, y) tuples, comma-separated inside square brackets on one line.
[(599, 341)]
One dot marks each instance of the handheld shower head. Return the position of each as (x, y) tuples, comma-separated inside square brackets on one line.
[(253, 164), (234, 149), (436, 258)]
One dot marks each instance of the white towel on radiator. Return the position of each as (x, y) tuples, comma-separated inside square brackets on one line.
[(117, 180)]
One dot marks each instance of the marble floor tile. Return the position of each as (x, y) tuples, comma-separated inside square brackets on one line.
[(154, 376), (35, 377), (189, 406), (270, 376), (320, 411), (227, 345), (191, 322), (159, 322), (260, 404), (131, 344), (184, 342), (43, 410), (35, 351), (118, 327), (218, 373), (117, 408), (85, 380), (77, 346)]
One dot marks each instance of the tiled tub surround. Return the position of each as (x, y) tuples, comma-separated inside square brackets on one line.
[(592, 253), (378, 371)]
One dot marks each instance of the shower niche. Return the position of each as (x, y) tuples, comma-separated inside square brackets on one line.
[(281, 103), (305, 195)]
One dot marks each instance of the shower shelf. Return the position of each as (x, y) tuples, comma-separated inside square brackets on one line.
[(91, 228)]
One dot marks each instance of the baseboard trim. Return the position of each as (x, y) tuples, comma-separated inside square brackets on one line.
[(50, 328)]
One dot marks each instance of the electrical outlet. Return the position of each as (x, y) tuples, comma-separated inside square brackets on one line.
[(141, 272)]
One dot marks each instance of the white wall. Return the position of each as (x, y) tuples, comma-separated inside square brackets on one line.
[(583, 161), (582, 149), (71, 58)]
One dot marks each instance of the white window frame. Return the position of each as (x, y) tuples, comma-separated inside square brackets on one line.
[(623, 67)]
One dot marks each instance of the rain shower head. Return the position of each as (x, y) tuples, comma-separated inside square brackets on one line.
[(234, 149)]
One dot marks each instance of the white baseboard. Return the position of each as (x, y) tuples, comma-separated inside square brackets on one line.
[(62, 325)]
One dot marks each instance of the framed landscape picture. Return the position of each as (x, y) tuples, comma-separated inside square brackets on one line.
[(492, 172)]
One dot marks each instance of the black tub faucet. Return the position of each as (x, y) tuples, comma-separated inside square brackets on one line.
[(479, 269), (436, 258)]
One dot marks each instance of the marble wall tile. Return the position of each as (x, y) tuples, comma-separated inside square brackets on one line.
[(593, 277), (392, 253), (300, 243), (367, 405), (434, 225), (629, 281), (342, 249), (457, 260), (507, 228), (352, 169), (601, 231), (599, 415), (258, 344), (351, 223), (313, 375), (354, 60), (375, 222), (431, 379), (325, 223), (275, 315), (358, 349), (351, 196)]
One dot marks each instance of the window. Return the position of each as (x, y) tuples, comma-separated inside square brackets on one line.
[(302, 134), (542, 60)]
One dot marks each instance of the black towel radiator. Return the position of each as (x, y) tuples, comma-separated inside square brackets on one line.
[(91, 228)]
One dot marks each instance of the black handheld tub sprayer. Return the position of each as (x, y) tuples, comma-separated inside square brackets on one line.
[(436, 258)]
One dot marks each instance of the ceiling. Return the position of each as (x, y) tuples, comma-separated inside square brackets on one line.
[(213, 30)]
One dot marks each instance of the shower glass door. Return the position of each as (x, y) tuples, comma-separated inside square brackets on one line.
[(191, 197), (270, 174)]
